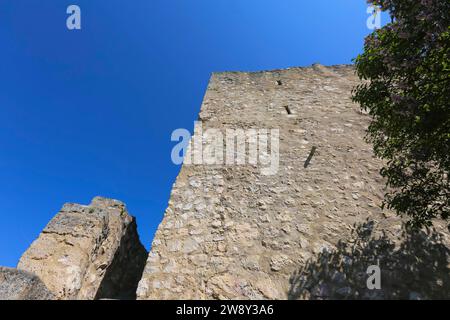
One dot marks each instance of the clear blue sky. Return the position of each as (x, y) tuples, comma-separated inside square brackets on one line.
[(90, 112)]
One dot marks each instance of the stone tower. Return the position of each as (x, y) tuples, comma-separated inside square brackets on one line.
[(312, 229)]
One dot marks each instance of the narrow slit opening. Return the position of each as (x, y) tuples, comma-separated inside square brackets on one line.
[(288, 110)]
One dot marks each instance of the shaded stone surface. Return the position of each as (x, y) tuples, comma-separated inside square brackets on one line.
[(230, 232), (88, 252), (21, 285), (415, 267)]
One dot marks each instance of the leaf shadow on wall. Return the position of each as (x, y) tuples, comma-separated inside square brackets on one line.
[(416, 268)]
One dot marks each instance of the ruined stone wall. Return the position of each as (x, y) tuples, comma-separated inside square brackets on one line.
[(21, 285), (230, 232), (88, 252)]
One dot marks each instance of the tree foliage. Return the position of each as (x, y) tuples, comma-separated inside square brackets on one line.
[(405, 70)]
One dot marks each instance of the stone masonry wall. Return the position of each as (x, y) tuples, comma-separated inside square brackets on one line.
[(21, 285), (307, 232), (88, 252)]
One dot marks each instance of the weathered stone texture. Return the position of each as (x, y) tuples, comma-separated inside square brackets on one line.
[(21, 285), (88, 252), (230, 232)]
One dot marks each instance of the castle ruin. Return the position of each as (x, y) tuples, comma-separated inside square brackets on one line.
[(311, 229)]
